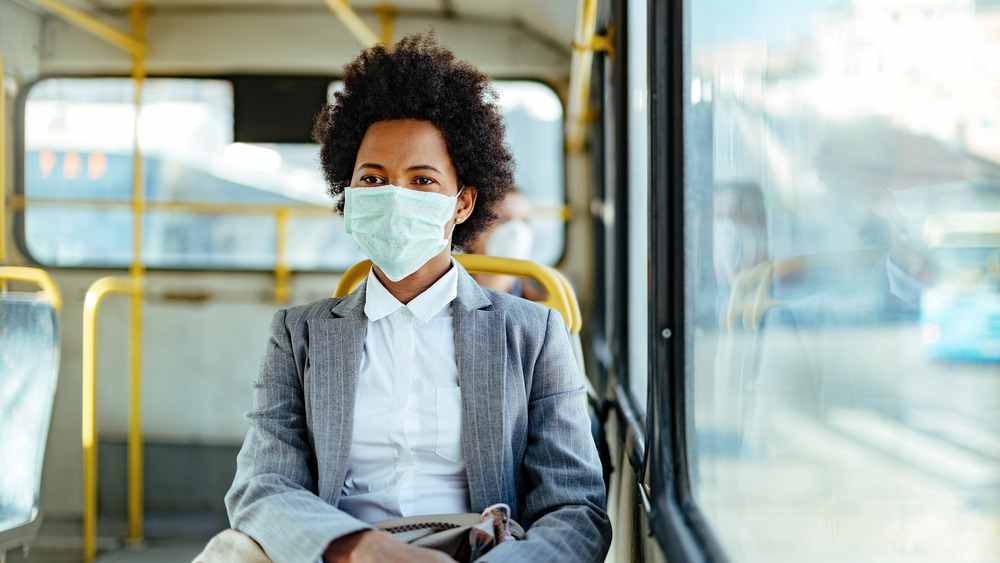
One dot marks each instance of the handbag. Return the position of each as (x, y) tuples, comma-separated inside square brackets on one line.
[(465, 537)]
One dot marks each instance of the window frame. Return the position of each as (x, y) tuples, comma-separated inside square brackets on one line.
[(610, 338), (674, 516)]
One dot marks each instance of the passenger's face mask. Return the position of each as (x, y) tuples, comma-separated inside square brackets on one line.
[(733, 248), (512, 239), (398, 228)]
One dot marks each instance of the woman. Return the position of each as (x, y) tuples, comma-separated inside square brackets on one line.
[(420, 392)]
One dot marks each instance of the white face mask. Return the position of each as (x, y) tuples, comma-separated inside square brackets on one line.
[(398, 228), (734, 248), (512, 239)]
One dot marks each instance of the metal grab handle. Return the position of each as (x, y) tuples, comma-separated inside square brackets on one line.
[(560, 295), (95, 293), (41, 278)]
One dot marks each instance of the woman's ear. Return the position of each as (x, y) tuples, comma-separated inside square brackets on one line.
[(466, 203)]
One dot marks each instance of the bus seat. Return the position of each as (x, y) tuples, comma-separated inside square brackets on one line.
[(554, 284), (29, 368), (751, 295)]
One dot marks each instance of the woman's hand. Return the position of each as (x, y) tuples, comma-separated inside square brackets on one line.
[(371, 546)]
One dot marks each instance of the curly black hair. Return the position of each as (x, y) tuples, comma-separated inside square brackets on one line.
[(418, 79)]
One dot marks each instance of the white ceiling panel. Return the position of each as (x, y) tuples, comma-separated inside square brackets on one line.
[(551, 19), (488, 9), (360, 5)]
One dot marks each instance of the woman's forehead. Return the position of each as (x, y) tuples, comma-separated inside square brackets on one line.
[(401, 141)]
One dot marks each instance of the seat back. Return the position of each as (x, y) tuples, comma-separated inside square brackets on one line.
[(29, 368), (560, 295)]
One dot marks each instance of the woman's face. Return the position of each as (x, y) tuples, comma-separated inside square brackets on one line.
[(410, 153)]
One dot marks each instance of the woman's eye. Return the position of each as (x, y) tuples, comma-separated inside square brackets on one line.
[(423, 181), (371, 180)]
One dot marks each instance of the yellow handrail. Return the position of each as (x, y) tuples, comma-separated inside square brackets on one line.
[(548, 278), (92, 25), (353, 21), (49, 291), (19, 203), (581, 63), (750, 296), (95, 293), (135, 44), (3, 170), (281, 270), (386, 14), (138, 14), (574, 304)]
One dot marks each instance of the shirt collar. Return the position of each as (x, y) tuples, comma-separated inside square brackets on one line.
[(380, 303)]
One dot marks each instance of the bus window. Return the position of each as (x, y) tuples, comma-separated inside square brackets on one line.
[(213, 203), (533, 116), (843, 173)]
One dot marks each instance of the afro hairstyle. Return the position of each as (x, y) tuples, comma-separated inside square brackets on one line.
[(419, 79)]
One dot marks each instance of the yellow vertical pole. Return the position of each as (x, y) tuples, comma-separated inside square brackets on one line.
[(137, 13), (3, 173), (281, 270), (354, 23), (95, 293), (89, 427), (580, 69), (386, 18)]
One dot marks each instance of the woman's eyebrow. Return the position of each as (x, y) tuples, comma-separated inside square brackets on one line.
[(370, 165), (423, 167)]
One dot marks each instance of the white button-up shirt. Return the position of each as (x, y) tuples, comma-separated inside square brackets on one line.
[(406, 453)]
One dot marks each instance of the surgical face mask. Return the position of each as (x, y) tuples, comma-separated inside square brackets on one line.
[(398, 228), (733, 248), (512, 239)]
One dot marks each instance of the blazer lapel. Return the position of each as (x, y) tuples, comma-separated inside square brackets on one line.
[(481, 353), (335, 346)]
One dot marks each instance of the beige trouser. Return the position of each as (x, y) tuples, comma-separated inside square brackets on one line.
[(232, 546)]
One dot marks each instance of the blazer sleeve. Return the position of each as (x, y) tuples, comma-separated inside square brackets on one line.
[(273, 497), (564, 506)]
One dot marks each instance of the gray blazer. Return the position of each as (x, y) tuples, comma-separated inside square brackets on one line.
[(525, 429)]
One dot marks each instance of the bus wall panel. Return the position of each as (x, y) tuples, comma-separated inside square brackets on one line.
[(20, 32), (204, 334)]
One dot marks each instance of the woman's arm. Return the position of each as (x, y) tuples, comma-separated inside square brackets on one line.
[(564, 507), (273, 498)]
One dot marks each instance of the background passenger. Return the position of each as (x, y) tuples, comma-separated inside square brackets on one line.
[(420, 392), (511, 236)]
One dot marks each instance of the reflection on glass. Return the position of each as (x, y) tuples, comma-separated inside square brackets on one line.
[(847, 348)]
